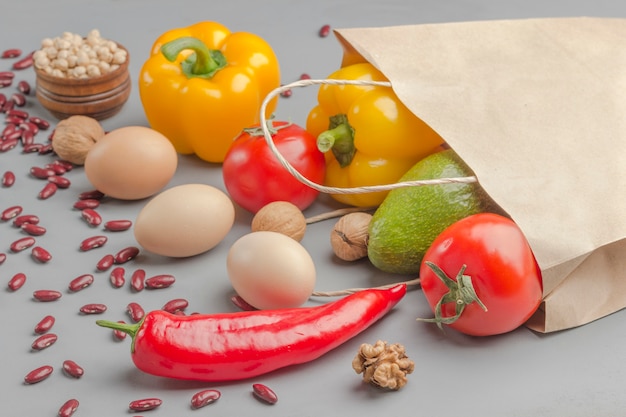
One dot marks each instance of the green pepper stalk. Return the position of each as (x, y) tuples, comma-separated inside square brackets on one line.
[(203, 63)]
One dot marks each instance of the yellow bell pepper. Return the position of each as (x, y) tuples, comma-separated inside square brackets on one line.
[(202, 85), (368, 135)]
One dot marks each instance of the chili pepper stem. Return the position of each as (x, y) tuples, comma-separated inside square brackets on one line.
[(129, 329), (204, 62), (339, 139)]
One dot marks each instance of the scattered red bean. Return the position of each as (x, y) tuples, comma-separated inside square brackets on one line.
[(145, 404), (46, 295), (13, 119), (176, 305), (57, 168), (117, 277), (23, 243), (43, 125), (18, 99), (8, 179), (118, 334), (23, 87), (72, 369), (10, 213), (105, 263), (41, 173), (305, 76), (241, 303), (33, 229), (80, 282), (68, 408), (91, 195), (11, 53), (286, 93), (264, 393), (160, 281), (17, 113), (91, 216), (118, 225), (45, 149), (135, 311), (7, 74), (28, 139), (126, 254), (204, 397), (8, 144), (20, 221), (324, 31), (38, 374), (93, 308), (137, 279), (17, 281), (5, 82), (88, 203), (32, 148), (12, 132), (40, 254), (24, 63), (93, 242), (47, 191), (45, 324), (3, 257), (44, 341), (61, 182)]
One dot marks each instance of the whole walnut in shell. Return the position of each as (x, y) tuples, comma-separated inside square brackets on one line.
[(74, 137)]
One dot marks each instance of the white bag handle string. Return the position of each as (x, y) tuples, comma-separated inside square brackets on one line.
[(337, 190)]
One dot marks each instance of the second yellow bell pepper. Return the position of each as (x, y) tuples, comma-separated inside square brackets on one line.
[(370, 137), (202, 85)]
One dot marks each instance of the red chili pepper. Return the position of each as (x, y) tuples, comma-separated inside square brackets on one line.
[(232, 346)]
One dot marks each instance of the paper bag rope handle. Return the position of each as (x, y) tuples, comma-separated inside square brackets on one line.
[(338, 190)]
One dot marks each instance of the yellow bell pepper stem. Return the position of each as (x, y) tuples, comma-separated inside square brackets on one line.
[(203, 63), (339, 139)]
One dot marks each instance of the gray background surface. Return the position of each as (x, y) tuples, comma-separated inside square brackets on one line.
[(579, 372)]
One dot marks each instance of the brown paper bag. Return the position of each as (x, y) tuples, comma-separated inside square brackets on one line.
[(537, 108)]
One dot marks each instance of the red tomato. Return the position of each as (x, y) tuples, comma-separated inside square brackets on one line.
[(499, 265), (254, 177)]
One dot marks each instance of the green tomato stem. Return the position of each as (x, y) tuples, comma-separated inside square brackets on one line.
[(203, 63)]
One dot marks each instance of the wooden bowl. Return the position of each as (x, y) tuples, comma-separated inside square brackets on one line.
[(99, 97)]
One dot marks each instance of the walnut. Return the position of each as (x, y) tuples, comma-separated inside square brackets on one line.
[(350, 235), (74, 137), (383, 365), (282, 217)]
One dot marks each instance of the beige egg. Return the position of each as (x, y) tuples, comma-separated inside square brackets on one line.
[(131, 163), (270, 270), (185, 220)]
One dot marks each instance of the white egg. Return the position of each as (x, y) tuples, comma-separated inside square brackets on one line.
[(270, 270), (185, 220)]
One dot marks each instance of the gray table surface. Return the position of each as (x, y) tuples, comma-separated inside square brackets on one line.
[(579, 372)]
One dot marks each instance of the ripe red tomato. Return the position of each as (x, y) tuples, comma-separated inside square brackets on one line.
[(254, 177), (499, 266)]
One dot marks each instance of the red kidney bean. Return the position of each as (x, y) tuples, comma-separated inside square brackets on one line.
[(8, 179), (80, 282), (305, 76), (3, 100), (176, 305), (41, 173), (73, 369), (38, 374), (21, 114), (264, 393), (47, 191), (29, 127), (33, 229), (57, 168), (10, 212), (46, 295), (8, 144), (18, 99), (145, 404), (204, 397), (160, 281), (13, 133), (44, 341), (324, 31), (91, 195), (118, 225), (5, 82), (45, 149), (65, 164), (24, 63), (118, 334), (8, 105), (91, 217), (40, 123), (28, 138), (13, 119), (7, 74), (40, 254), (286, 93), (17, 281), (105, 263), (23, 87), (137, 279), (89, 203), (135, 311), (23, 243), (61, 182), (117, 277), (45, 324), (19, 221), (11, 53), (241, 303), (126, 254), (32, 148), (68, 408), (3, 257), (93, 242), (93, 308)]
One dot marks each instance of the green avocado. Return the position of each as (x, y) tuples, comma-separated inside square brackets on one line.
[(410, 218)]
